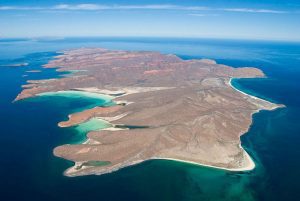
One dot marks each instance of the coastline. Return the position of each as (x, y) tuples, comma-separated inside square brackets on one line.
[(88, 94), (250, 164), (249, 167), (275, 105), (239, 161), (73, 172)]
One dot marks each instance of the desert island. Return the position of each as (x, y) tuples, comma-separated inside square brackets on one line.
[(164, 108)]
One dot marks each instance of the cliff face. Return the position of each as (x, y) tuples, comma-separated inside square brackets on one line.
[(180, 109)]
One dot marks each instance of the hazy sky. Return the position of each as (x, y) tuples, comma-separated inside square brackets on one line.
[(250, 19)]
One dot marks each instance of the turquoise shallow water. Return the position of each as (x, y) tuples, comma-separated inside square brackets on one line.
[(77, 101), (29, 131), (93, 124), (103, 99), (83, 128), (77, 96)]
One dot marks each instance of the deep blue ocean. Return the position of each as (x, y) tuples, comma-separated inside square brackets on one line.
[(29, 131)]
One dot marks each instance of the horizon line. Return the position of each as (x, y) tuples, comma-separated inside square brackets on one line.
[(149, 37), (101, 7)]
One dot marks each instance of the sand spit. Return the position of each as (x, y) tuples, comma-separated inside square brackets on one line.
[(84, 170), (263, 104), (33, 71), (123, 92), (250, 165), (85, 115)]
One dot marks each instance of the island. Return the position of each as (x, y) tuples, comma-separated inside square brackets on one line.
[(15, 65), (33, 71), (164, 108)]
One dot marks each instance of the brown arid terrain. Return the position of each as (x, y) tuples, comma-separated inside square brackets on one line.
[(166, 108)]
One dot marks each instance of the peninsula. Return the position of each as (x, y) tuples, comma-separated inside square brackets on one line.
[(165, 108)]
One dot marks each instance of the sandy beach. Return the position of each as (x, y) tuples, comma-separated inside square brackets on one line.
[(250, 163)]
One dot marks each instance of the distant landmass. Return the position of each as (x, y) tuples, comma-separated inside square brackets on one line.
[(15, 65), (164, 108)]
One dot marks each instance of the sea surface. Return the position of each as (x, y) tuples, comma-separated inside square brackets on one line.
[(29, 130)]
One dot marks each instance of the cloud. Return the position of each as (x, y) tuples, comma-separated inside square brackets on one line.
[(248, 10), (127, 7), (80, 7), (20, 8), (203, 15), (97, 7)]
